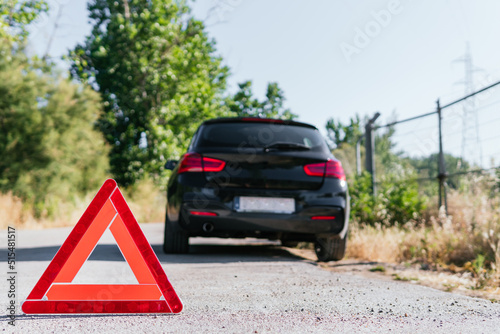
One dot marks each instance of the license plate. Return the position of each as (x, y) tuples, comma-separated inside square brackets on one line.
[(264, 204)]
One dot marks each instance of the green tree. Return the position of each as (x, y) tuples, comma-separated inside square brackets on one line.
[(243, 103), (158, 75), (49, 148), (427, 167), (16, 15), (387, 161), (343, 138), (341, 134)]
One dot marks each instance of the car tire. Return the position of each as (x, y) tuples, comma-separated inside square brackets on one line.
[(176, 241), (330, 249)]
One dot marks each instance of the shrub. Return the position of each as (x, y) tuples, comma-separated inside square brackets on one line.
[(396, 202)]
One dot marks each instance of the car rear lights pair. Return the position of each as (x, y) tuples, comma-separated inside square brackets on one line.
[(194, 162), (331, 168)]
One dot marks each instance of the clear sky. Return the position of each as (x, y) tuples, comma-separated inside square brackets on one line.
[(336, 58)]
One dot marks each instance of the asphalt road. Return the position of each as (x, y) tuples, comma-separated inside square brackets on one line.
[(242, 287)]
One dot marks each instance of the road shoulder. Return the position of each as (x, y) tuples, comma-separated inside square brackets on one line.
[(444, 280)]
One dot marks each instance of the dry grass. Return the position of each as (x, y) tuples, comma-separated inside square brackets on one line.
[(374, 243), (465, 241), (145, 199), (13, 212)]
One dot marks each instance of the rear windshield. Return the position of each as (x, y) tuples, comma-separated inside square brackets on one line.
[(258, 135)]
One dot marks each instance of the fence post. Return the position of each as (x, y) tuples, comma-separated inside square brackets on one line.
[(370, 150), (358, 156), (441, 164)]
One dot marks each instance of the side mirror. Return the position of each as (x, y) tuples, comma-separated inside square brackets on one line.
[(170, 165)]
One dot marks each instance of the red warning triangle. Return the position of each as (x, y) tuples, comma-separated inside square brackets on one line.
[(55, 292)]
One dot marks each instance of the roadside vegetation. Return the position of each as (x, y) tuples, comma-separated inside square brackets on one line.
[(122, 115), (403, 224), (466, 242), (133, 94)]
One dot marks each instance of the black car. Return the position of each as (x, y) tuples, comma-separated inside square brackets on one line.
[(261, 178)]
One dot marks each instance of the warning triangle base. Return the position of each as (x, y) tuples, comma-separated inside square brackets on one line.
[(96, 306)]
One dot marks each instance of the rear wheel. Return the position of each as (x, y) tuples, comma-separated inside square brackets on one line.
[(330, 249), (176, 241)]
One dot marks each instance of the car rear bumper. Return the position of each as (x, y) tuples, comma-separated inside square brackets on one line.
[(215, 219), (187, 201)]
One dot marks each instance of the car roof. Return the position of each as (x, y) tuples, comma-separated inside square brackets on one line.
[(257, 120)]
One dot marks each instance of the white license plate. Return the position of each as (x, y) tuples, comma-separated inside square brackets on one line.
[(264, 204)]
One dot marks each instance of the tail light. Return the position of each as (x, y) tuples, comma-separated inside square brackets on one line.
[(323, 217), (194, 162), (203, 213), (213, 165), (331, 168)]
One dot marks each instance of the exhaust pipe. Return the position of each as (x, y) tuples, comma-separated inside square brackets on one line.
[(208, 227)]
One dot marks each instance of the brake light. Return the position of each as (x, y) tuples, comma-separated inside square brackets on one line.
[(331, 168), (262, 120), (203, 213), (193, 162), (323, 217)]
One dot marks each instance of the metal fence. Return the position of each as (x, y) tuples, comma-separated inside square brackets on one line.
[(459, 140)]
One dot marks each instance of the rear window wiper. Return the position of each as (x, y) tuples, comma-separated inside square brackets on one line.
[(286, 146)]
